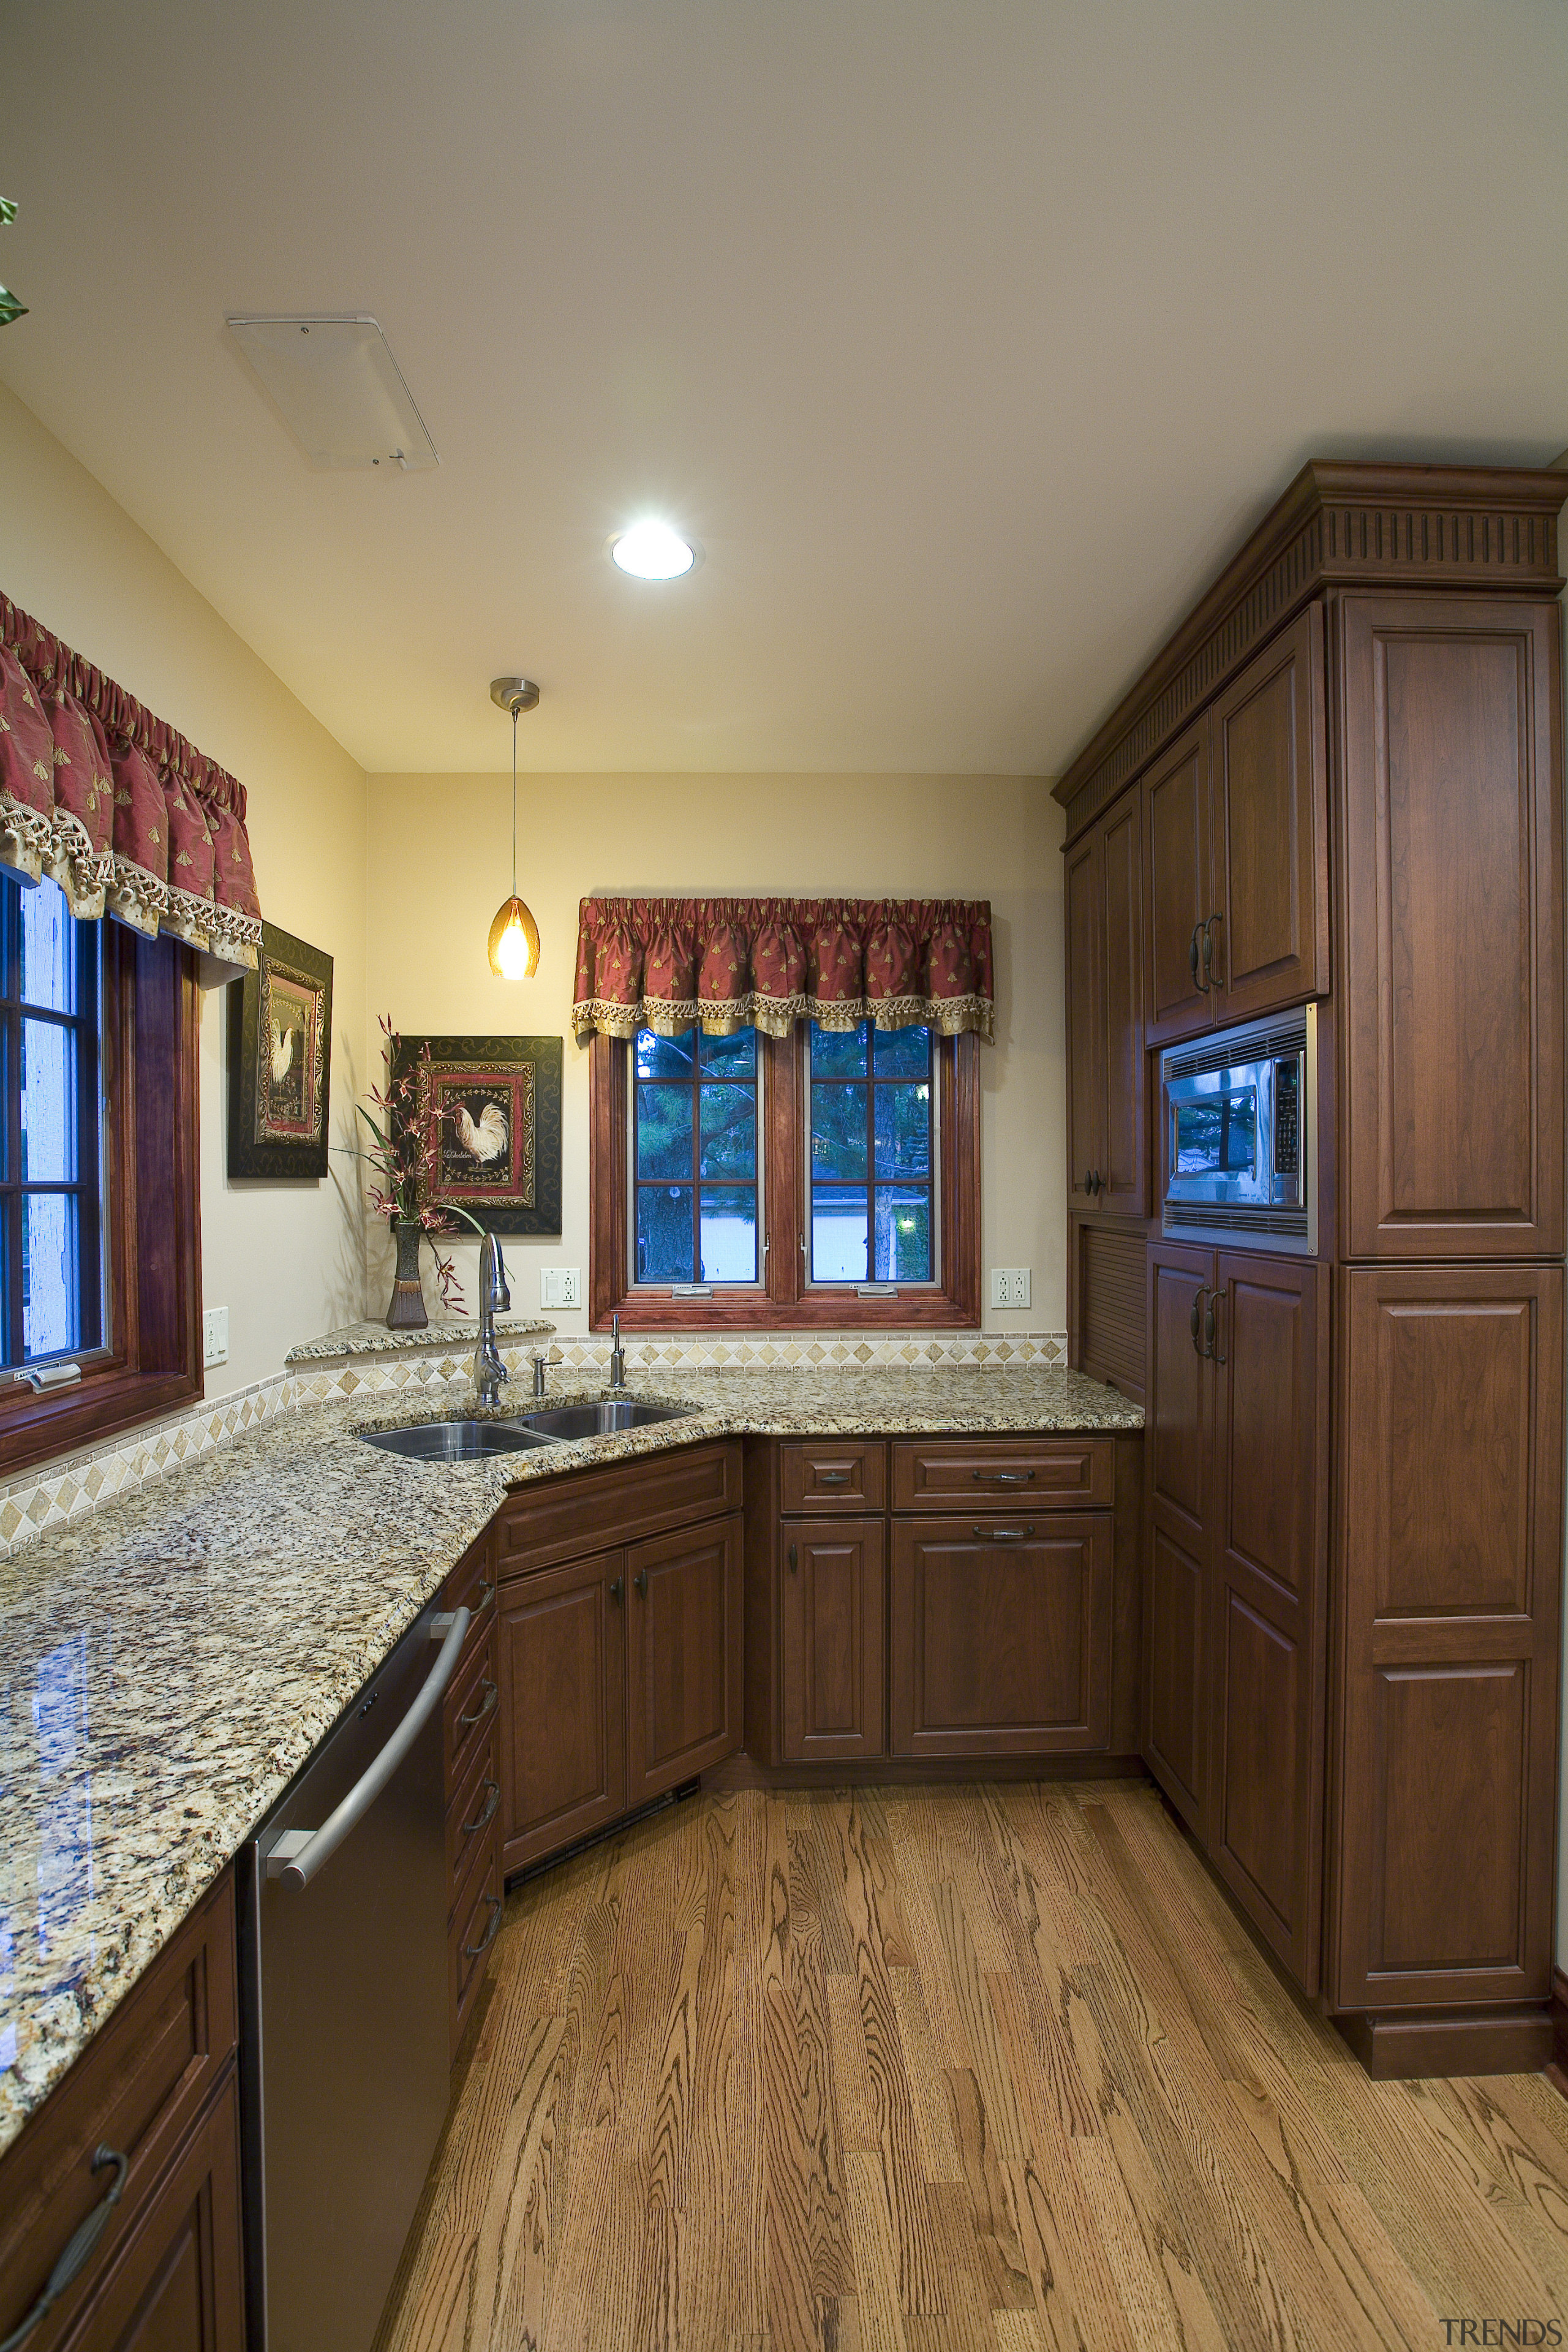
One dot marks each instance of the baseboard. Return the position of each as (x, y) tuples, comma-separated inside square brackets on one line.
[(1557, 2072), (1410, 2047), (743, 1771)]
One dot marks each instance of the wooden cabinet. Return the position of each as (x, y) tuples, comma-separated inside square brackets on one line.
[(1451, 929), (1450, 1401), (157, 2085), (831, 1612), (562, 1641), (471, 1727), (1000, 1635), (1107, 1134), (1234, 1602), (683, 1656), (1237, 829)]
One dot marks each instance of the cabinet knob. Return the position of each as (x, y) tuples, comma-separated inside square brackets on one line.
[(639, 1583), (794, 1561), (616, 1589)]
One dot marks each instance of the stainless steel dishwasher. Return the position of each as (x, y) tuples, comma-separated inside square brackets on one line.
[(344, 1982)]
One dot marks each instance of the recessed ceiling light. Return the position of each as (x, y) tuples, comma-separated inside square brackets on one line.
[(652, 551)]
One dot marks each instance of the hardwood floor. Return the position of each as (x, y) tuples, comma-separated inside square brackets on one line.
[(941, 2068)]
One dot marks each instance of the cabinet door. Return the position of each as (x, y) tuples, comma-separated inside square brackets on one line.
[(830, 1608), (1178, 1467), (683, 1656), (1178, 1000), (1451, 1564), (1452, 921), (1123, 1161), (1266, 1604), (561, 1664), (1086, 1001), (1000, 1636), (178, 2286), (1271, 828)]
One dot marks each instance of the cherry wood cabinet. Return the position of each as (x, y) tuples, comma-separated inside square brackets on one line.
[(1451, 928), (1236, 819), (157, 2084), (1000, 1635), (1107, 1136), (1233, 1607), (832, 1679), (562, 1642), (683, 1656), (1451, 1411)]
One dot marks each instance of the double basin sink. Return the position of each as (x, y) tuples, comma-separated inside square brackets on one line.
[(475, 1441)]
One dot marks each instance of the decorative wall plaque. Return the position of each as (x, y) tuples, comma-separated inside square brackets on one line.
[(280, 1061), (493, 1107)]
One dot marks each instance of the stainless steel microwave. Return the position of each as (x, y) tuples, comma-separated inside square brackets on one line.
[(1239, 1125)]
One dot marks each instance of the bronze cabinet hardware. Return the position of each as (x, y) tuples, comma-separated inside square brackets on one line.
[(1002, 1477), (470, 1828), (1209, 1320), (616, 1589), (467, 1722), (1193, 953), (73, 2256), (1005, 1535), (640, 1582), (794, 1560), (833, 1478), (1196, 1318), (476, 1951), (1209, 980)]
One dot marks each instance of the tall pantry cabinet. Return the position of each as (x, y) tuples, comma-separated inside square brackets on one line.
[(1347, 766)]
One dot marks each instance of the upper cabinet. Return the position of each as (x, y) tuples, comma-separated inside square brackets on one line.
[(1107, 1142), (1451, 923), (1236, 819)]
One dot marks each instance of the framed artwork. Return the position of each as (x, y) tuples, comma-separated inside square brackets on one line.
[(280, 1061), (493, 1107)]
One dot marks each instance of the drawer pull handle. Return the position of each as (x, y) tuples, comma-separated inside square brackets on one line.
[(1006, 1535), (467, 1722), (1003, 1477), (476, 1951), (833, 1478), (794, 1560), (74, 2253), (487, 1594), (640, 1581), (469, 1827)]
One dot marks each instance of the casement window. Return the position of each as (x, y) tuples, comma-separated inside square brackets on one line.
[(100, 1294), (830, 1178)]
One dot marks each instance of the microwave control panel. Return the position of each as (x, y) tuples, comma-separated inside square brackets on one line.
[(1288, 1129)]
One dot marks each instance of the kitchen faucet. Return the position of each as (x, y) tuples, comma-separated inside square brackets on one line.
[(489, 1369), (617, 1355)]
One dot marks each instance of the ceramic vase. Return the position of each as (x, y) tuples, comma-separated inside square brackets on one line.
[(406, 1312)]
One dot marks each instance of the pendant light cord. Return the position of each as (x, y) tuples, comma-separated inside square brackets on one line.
[(514, 800)]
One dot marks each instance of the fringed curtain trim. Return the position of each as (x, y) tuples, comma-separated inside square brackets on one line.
[(723, 964), (126, 815)]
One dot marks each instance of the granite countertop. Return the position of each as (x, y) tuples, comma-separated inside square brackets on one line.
[(456, 1334), (168, 1663)]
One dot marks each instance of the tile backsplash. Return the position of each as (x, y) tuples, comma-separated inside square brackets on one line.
[(47, 1498)]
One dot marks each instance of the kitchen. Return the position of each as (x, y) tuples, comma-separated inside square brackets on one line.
[(839, 2044)]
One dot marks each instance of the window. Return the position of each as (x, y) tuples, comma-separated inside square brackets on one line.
[(830, 1178), (98, 1175), (51, 1256)]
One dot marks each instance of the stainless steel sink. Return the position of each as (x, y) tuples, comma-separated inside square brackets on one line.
[(455, 1441), (565, 1421)]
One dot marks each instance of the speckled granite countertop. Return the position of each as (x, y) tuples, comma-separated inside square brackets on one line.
[(454, 1333), (168, 1663)]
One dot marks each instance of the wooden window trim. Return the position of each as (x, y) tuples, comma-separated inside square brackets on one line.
[(151, 1017), (785, 1301)]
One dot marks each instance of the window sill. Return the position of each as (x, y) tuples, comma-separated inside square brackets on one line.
[(37, 1430), (745, 1311)]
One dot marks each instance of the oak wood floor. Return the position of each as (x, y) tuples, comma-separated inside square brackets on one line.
[(941, 2068)]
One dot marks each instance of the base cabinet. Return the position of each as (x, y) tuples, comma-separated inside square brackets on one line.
[(683, 1657), (832, 1621), (1000, 1635), (563, 1707)]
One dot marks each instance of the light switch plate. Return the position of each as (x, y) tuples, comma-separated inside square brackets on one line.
[(560, 1286), (1009, 1285), (214, 1334)]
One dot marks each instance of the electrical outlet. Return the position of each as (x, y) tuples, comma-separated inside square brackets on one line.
[(214, 1334), (1009, 1285), (560, 1286)]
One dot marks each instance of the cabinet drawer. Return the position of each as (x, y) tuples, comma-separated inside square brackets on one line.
[(588, 1510), (137, 2087), (476, 1922), (1004, 1473), (824, 1474), (471, 1816), (468, 1708)]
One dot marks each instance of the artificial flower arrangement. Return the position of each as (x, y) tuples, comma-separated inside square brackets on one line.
[(405, 1157)]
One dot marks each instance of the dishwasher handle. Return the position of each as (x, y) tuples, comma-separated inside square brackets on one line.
[(300, 1853)]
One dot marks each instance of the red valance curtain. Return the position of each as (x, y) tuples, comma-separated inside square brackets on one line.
[(129, 818), (724, 964)]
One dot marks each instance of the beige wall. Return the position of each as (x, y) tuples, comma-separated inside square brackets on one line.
[(286, 1260), (439, 867)]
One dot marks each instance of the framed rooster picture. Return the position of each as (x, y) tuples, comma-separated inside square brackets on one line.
[(492, 1110), (280, 1061)]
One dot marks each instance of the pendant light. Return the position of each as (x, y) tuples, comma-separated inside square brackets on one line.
[(514, 934)]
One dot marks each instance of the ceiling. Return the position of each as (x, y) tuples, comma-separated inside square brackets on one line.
[(968, 338)]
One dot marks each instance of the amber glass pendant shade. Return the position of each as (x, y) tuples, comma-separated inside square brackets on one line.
[(514, 942)]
